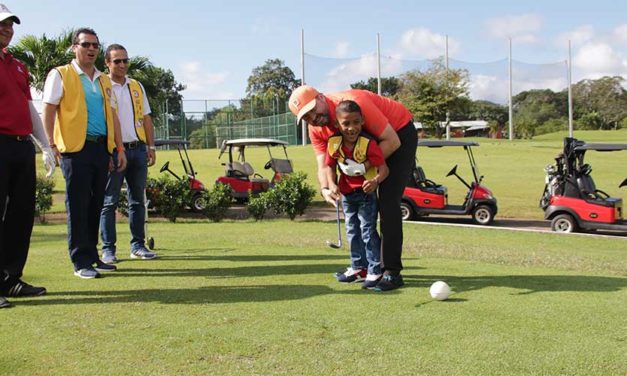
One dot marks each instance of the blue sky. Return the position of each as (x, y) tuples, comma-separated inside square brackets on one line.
[(212, 46)]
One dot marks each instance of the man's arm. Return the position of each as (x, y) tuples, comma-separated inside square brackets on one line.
[(150, 139), (49, 114), (388, 141), (119, 145), (328, 188)]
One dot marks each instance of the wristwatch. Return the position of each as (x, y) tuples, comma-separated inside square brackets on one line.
[(152, 147)]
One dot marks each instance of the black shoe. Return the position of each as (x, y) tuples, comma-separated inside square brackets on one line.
[(389, 282), (102, 267), (20, 288), (4, 303)]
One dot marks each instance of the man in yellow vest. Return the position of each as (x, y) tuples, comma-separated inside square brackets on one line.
[(83, 130), (137, 134)]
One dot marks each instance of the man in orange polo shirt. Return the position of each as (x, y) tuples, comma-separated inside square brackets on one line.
[(18, 120), (392, 125)]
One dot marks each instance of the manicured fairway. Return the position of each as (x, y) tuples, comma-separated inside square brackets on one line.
[(259, 298)]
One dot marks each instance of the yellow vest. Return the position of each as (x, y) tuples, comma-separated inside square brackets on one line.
[(70, 127), (360, 152), (137, 100)]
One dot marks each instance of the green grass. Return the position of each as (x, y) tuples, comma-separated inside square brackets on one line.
[(259, 298)]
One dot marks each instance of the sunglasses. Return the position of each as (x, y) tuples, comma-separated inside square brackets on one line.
[(88, 44), (118, 61)]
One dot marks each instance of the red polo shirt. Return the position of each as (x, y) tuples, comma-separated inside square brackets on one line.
[(377, 111), (14, 97)]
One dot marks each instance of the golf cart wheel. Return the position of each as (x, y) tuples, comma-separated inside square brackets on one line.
[(483, 215), (198, 203), (407, 212), (564, 223), (150, 242)]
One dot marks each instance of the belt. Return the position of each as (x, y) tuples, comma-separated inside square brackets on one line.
[(98, 139), (133, 145), (14, 137)]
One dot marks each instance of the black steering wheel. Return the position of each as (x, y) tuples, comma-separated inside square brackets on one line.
[(268, 165), (453, 171), (165, 166)]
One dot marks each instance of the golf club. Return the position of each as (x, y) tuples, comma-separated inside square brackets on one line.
[(339, 230)]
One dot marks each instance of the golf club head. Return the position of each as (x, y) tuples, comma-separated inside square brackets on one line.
[(333, 245)]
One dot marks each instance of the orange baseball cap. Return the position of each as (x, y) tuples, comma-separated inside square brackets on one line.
[(303, 100)]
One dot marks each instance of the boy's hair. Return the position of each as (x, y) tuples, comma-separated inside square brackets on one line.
[(348, 106), (113, 47), (83, 30)]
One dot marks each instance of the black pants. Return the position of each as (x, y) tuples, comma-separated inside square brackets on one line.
[(85, 174), (390, 194), (17, 203)]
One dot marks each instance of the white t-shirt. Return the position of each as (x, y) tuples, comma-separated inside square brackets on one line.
[(125, 109)]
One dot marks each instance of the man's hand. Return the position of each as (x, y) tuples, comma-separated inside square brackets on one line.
[(352, 168), (121, 160), (50, 160), (330, 196), (152, 157)]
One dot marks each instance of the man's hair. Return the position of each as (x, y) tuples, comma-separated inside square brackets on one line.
[(83, 30), (348, 106), (113, 47)]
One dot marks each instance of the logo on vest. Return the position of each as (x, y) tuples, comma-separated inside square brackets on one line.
[(108, 91), (135, 93)]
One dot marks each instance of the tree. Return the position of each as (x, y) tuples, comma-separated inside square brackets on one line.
[(269, 87), (389, 86), (429, 94), (161, 88), (606, 97)]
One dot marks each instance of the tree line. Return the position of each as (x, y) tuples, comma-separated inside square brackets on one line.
[(433, 95)]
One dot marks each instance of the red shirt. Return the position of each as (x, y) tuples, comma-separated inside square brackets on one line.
[(377, 111), (14, 97), (348, 184)]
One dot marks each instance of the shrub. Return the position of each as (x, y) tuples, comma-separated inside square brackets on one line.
[(291, 195), (218, 200), (43, 196), (170, 196), (258, 206)]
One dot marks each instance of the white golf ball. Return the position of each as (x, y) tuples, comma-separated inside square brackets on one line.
[(440, 290)]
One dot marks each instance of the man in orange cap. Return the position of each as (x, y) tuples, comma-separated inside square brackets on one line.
[(392, 125)]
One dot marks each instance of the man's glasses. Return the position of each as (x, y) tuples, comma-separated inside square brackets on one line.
[(118, 61), (95, 45)]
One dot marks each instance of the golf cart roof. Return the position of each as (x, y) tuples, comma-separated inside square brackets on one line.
[(255, 142), (601, 147), (171, 142), (441, 143)]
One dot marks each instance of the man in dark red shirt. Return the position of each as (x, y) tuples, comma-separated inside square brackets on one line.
[(18, 120)]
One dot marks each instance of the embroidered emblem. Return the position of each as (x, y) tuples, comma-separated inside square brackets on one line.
[(135, 94)]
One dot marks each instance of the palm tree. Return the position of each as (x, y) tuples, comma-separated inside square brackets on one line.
[(43, 54)]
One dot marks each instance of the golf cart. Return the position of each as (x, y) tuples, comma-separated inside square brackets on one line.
[(240, 174), (570, 198), (197, 202), (423, 197)]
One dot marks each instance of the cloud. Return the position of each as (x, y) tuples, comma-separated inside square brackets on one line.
[(577, 37), (620, 33), (342, 75), (521, 28), (341, 49), (597, 59), (200, 83), (424, 43)]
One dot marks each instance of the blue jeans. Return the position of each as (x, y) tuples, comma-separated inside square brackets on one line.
[(85, 174), (360, 214), (135, 174)]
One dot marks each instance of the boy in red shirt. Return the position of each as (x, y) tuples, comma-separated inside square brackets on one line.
[(359, 198)]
